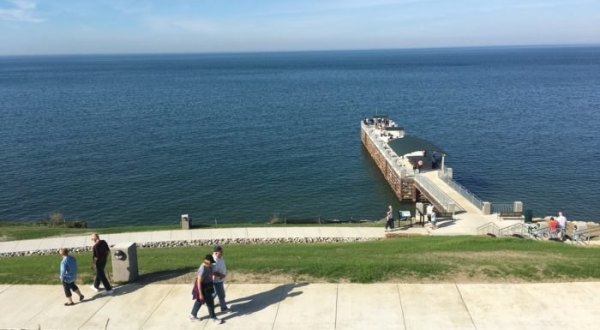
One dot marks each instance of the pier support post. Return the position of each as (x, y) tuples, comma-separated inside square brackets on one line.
[(486, 208), (518, 206)]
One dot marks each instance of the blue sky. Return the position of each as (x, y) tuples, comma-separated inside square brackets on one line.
[(154, 26)]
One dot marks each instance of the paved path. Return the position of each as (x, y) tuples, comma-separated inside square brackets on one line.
[(464, 224), (313, 306), (53, 243), (300, 306)]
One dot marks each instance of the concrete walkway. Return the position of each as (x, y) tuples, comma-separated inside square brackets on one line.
[(82, 241), (313, 306), (299, 306), (463, 224)]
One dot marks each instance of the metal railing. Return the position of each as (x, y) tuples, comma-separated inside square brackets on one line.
[(585, 234), (437, 194), (516, 229), (461, 190), (489, 228), (502, 207)]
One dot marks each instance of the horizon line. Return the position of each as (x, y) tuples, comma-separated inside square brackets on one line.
[(508, 46)]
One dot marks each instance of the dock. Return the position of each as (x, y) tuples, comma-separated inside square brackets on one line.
[(416, 171)]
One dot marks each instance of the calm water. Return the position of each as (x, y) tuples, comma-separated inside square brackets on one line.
[(240, 137)]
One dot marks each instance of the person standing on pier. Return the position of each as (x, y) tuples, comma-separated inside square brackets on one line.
[(389, 219)]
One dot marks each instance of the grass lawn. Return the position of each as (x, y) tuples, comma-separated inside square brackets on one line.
[(414, 259)]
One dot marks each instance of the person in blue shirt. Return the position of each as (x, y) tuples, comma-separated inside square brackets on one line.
[(68, 275)]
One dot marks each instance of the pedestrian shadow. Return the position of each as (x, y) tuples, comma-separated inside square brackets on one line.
[(142, 280), (259, 301)]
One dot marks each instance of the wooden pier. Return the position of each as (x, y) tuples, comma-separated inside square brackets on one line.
[(415, 170)]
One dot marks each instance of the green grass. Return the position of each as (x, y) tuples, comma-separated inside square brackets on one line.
[(415, 259)]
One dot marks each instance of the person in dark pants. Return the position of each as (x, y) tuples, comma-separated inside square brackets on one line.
[(389, 217), (100, 255), (219, 274), (68, 275), (203, 290)]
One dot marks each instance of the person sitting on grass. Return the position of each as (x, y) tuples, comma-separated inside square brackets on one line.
[(68, 275)]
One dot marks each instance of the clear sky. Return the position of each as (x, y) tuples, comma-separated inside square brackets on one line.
[(166, 26)]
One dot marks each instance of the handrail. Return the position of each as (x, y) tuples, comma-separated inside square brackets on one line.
[(516, 229), (441, 197), (584, 235), (461, 190), (502, 207), (488, 228)]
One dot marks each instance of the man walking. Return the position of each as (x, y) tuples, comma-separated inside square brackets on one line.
[(100, 255), (219, 274)]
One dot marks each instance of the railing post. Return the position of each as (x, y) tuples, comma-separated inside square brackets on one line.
[(486, 208), (518, 206)]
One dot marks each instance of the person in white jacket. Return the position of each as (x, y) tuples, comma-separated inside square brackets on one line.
[(219, 274)]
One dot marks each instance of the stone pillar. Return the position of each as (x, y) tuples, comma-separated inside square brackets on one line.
[(451, 207), (486, 208), (186, 221), (518, 206)]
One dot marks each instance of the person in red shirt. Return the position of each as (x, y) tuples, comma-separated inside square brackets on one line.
[(553, 226)]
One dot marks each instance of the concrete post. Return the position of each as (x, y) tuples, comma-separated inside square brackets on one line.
[(486, 208), (451, 207), (518, 206), (186, 221), (124, 262)]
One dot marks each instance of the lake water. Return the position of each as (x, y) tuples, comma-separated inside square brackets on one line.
[(142, 139)]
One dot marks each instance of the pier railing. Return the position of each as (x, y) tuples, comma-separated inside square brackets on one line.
[(449, 204), (461, 190), (502, 207)]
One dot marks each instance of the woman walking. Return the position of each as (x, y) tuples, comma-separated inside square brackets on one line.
[(68, 275), (203, 290)]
